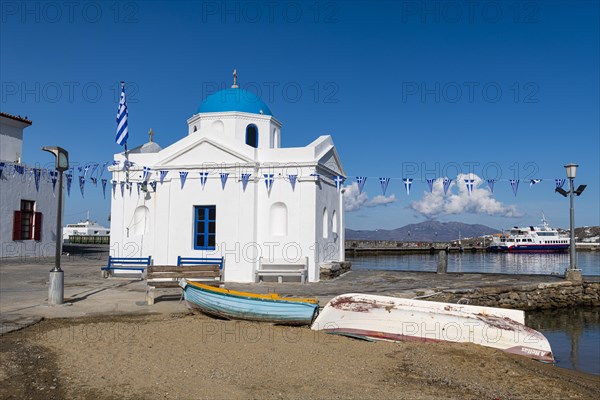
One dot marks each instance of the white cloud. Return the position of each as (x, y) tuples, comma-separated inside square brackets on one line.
[(353, 200), (479, 202)]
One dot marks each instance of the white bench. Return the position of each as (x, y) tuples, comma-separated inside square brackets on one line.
[(281, 268)]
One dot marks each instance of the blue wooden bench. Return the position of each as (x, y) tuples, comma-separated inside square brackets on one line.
[(183, 261), (126, 265)]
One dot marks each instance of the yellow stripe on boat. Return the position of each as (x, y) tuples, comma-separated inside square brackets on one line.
[(270, 296)]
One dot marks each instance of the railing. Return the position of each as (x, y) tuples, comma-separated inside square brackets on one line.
[(89, 239)]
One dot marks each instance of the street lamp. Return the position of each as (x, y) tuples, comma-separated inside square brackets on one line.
[(572, 273), (56, 289)]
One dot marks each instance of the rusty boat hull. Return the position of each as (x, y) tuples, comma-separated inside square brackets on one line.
[(372, 317)]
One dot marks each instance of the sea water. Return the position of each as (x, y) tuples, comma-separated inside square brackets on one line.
[(498, 263)]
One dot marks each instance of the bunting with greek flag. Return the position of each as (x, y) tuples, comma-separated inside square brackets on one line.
[(203, 178), (163, 174), (122, 184), (361, 180), (446, 182), (145, 174), (514, 183), (490, 183), (317, 176), (102, 169), (104, 181), (94, 168), (36, 177), (339, 181), (130, 187), (69, 182), (53, 177), (81, 184), (534, 182), (122, 114), (384, 184), (430, 184), (407, 184), (139, 186), (86, 168), (2, 165), (245, 178), (560, 182), (293, 179), (153, 185), (94, 181), (182, 177), (224, 176), (114, 187), (469, 184), (268, 181)]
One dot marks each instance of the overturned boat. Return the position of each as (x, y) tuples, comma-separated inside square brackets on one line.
[(372, 317), (231, 304)]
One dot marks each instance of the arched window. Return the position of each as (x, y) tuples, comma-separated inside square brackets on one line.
[(218, 126), (252, 135), (195, 128), (325, 224), (334, 224), (278, 219), (140, 220)]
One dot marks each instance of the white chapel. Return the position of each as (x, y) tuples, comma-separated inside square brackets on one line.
[(228, 189)]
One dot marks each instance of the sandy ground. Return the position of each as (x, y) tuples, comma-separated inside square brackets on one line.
[(185, 356)]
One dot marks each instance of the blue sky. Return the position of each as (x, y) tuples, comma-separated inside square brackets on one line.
[(406, 89)]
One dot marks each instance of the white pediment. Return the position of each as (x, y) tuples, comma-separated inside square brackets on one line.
[(331, 161), (203, 151)]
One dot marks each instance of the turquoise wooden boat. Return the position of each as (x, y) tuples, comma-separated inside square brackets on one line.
[(231, 304)]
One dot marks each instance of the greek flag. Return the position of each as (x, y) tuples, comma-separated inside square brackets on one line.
[(122, 184), (268, 181), (384, 184), (183, 176), (163, 174), (224, 176), (361, 180), (122, 130), (515, 185), (407, 183), (490, 183), (430, 184), (447, 183), (534, 182), (146, 174), (94, 181), (81, 184), (85, 170), (114, 187), (203, 178), (53, 176), (69, 182), (245, 178), (36, 176), (292, 179), (339, 181), (560, 182), (102, 169), (104, 187), (469, 183), (130, 187), (153, 185)]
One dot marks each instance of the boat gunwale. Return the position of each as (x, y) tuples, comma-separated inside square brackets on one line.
[(252, 296)]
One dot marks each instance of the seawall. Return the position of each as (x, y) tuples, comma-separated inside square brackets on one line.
[(526, 297)]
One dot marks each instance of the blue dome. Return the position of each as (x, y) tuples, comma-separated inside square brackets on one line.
[(234, 99)]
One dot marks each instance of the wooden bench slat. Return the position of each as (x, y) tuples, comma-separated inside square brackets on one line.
[(173, 268)]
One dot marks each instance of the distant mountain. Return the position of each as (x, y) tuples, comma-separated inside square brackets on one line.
[(427, 231)]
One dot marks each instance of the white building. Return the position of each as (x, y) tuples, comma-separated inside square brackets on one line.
[(28, 227), (234, 133)]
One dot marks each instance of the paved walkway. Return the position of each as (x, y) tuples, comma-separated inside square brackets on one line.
[(24, 288)]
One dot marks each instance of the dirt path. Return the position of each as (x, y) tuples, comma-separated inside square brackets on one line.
[(192, 356)]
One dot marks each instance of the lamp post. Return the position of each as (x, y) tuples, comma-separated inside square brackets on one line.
[(572, 273), (56, 289)]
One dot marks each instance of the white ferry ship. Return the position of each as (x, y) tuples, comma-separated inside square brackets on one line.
[(84, 228), (531, 239)]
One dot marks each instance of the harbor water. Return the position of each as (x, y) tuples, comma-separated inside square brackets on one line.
[(573, 333), (497, 263)]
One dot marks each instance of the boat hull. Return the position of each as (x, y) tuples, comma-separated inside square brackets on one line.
[(530, 248), (388, 318), (229, 304)]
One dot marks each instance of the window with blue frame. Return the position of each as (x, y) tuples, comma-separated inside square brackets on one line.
[(205, 227)]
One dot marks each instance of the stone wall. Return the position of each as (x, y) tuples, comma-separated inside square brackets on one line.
[(333, 269), (526, 297)]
